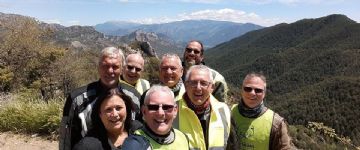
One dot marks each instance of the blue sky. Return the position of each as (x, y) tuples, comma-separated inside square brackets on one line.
[(262, 12)]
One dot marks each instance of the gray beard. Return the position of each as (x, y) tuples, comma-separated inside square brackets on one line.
[(188, 64)]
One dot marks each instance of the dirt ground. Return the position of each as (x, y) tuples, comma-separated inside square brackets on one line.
[(11, 141)]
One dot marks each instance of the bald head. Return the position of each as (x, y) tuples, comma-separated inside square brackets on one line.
[(133, 68)]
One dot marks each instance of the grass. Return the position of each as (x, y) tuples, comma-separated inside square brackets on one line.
[(28, 114)]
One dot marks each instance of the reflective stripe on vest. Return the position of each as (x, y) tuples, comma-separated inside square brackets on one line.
[(142, 85), (181, 93), (180, 142), (219, 125), (253, 133)]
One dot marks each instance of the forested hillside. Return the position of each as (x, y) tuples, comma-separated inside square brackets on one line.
[(312, 65)]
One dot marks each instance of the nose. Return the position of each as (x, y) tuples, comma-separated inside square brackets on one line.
[(133, 69), (114, 113), (161, 111), (198, 85), (168, 70), (110, 69)]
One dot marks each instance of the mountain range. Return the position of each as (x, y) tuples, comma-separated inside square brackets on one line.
[(312, 66), (210, 32)]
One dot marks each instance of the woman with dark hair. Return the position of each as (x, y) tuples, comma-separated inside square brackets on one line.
[(112, 125)]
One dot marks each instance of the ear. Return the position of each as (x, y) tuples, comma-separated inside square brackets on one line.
[(143, 110), (182, 70), (212, 87), (175, 111)]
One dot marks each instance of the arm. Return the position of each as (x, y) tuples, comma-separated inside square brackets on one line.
[(68, 129), (280, 138)]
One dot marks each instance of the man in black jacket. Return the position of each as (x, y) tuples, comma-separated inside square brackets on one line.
[(76, 120)]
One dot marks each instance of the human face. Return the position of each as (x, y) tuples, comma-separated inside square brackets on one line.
[(170, 71), (133, 69), (109, 71), (198, 86), (159, 121), (113, 114), (193, 54), (254, 97)]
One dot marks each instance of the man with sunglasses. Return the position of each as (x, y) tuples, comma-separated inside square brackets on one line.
[(159, 111), (132, 70), (256, 126), (204, 119), (130, 78), (194, 55)]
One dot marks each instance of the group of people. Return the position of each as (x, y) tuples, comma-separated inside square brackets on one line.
[(187, 110)]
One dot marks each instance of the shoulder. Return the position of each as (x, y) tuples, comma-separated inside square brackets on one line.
[(89, 143), (216, 74), (135, 142), (278, 122), (217, 104), (144, 80), (87, 88)]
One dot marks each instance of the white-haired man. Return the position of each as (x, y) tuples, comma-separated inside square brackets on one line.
[(204, 119)]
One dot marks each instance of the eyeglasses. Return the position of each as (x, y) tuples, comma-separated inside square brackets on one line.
[(194, 84), (155, 107), (249, 89), (132, 67), (189, 50), (173, 69)]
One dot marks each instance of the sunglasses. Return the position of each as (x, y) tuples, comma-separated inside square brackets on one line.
[(155, 107), (189, 50), (132, 67), (249, 89)]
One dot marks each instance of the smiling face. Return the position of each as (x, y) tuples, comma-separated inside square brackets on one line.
[(160, 119), (253, 91), (198, 86), (109, 70), (170, 71), (193, 54), (113, 114), (133, 68)]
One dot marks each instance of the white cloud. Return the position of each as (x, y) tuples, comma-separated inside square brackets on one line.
[(202, 1), (293, 2), (73, 22), (220, 15), (57, 21)]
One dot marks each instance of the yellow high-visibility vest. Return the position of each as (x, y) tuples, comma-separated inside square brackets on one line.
[(253, 133), (141, 85), (219, 125), (180, 142)]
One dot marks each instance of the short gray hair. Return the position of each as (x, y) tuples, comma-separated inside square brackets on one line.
[(199, 67), (256, 74), (112, 52), (170, 55), (158, 88)]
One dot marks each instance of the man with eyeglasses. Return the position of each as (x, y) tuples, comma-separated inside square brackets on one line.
[(159, 111), (194, 55), (254, 125), (204, 119), (170, 74)]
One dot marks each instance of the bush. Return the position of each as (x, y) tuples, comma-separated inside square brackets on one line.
[(31, 116)]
